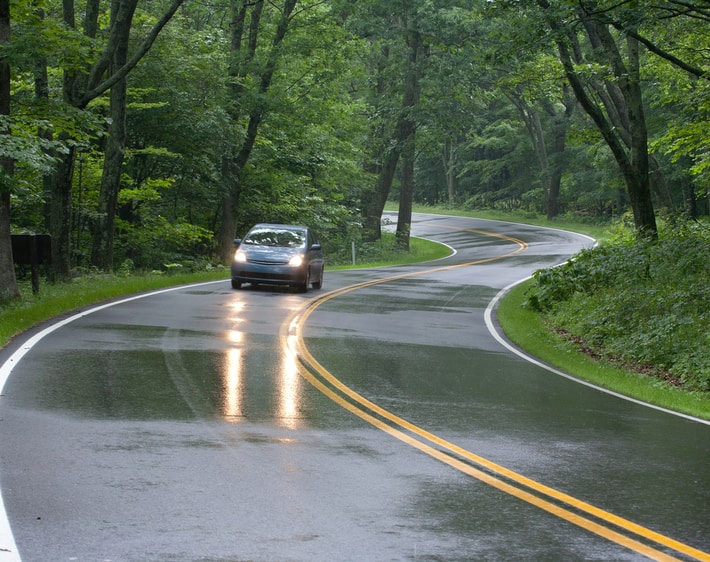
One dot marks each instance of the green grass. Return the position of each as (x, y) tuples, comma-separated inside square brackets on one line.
[(526, 329), (57, 299), (420, 250)]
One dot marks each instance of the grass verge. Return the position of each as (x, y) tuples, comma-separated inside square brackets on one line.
[(54, 300), (420, 250), (526, 329)]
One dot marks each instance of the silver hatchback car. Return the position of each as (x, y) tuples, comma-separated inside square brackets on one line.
[(278, 254)]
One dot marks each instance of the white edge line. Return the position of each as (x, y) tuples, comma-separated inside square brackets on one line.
[(8, 548), (453, 250), (490, 324), (493, 330)]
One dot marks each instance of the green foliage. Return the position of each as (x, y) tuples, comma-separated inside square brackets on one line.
[(645, 303), (158, 242), (149, 240), (334, 99), (25, 149), (340, 250)]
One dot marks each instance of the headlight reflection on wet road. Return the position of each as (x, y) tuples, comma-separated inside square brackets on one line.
[(232, 402), (288, 383), (289, 389), (233, 384)]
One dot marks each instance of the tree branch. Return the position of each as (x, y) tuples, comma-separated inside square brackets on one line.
[(134, 60), (699, 72)]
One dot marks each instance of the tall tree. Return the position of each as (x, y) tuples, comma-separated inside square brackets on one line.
[(407, 130), (8, 283), (240, 69), (79, 89), (406, 67), (103, 227), (549, 145), (616, 106), (383, 154)]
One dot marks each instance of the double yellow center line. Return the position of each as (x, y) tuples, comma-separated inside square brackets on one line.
[(617, 529)]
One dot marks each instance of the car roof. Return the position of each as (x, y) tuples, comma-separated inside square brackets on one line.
[(281, 226)]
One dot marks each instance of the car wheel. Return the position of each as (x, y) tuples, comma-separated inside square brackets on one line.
[(236, 284), (318, 284), (303, 287)]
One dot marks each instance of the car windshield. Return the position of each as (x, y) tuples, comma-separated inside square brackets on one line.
[(275, 237)]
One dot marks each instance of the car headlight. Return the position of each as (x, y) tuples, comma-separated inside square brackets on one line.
[(295, 261), (240, 256)]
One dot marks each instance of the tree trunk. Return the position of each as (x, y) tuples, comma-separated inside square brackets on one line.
[(640, 187), (629, 146), (560, 125), (550, 153), (448, 159), (373, 227), (103, 228), (407, 131), (228, 227), (629, 104), (381, 162), (406, 189), (8, 282), (60, 216), (531, 117), (237, 73)]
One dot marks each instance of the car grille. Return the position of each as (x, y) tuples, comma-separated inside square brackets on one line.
[(268, 262)]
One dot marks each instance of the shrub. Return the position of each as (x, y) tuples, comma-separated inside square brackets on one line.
[(646, 303)]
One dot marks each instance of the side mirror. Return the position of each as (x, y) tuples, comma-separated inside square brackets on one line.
[(316, 247), (237, 241)]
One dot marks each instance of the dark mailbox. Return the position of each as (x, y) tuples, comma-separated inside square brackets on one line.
[(32, 250)]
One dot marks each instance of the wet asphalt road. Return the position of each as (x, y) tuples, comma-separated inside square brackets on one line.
[(182, 426)]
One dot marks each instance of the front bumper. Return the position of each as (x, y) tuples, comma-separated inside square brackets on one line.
[(268, 274)]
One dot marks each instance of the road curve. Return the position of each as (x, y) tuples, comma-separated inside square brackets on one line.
[(203, 423)]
